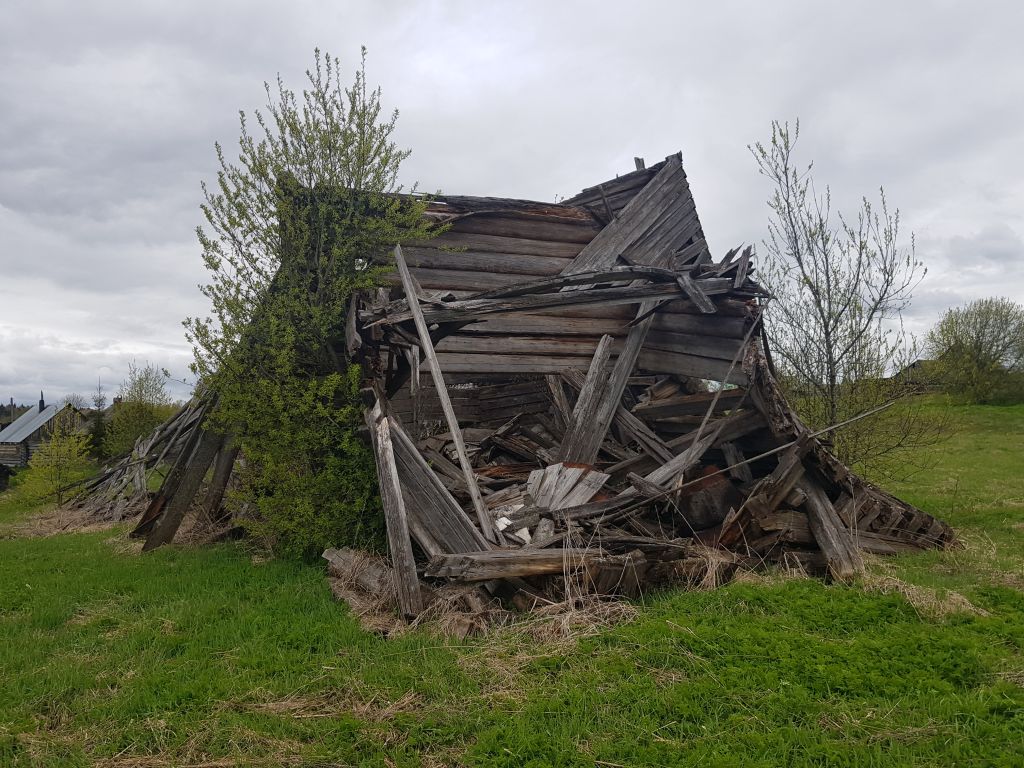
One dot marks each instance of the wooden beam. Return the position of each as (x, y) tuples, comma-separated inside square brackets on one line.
[(442, 392), (578, 445), (222, 469), (833, 538), (191, 479), (407, 585)]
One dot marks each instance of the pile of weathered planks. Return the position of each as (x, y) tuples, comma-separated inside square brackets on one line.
[(572, 398)]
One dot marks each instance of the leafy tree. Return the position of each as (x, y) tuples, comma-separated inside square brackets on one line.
[(60, 462), (292, 229), (980, 350), (141, 405), (835, 323)]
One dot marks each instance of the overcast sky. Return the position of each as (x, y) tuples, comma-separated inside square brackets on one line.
[(109, 112)]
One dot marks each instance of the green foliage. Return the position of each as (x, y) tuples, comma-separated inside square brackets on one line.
[(293, 231), (979, 351), (60, 462), (107, 658), (144, 404)]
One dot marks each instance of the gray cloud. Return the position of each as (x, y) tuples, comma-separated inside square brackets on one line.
[(111, 110)]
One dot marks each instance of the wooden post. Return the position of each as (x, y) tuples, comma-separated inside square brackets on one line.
[(442, 393), (579, 441), (222, 469), (836, 542), (407, 585), (191, 479)]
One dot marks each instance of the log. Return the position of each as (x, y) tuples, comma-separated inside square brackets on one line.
[(841, 552)]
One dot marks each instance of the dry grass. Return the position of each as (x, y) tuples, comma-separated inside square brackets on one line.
[(929, 603), (57, 520), (873, 727), (335, 703)]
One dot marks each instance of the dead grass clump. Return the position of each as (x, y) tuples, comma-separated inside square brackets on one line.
[(873, 727), (575, 619), (1014, 676), (57, 520), (789, 568), (334, 703), (927, 602)]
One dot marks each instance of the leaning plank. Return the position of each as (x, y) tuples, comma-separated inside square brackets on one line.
[(841, 552), (578, 445), (632, 222), (442, 392), (191, 479), (611, 397), (407, 585), (435, 517), (697, 296), (222, 469)]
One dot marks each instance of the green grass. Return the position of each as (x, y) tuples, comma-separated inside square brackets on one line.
[(189, 657)]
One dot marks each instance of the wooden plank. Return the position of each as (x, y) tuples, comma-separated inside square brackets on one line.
[(688, 405), (493, 243), (191, 479), (503, 564), (586, 447), (484, 261), (841, 553), (631, 222), (695, 292), (615, 321), (557, 344), (435, 371), (743, 267), (222, 469), (734, 458), (576, 230), (407, 585), (434, 514), (579, 444)]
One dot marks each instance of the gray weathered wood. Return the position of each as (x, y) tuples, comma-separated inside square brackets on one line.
[(407, 586), (502, 564), (434, 514), (579, 441), (435, 371), (843, 557), (188, 486), (222, 469)]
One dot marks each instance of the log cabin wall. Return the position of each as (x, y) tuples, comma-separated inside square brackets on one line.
[(498, 243)]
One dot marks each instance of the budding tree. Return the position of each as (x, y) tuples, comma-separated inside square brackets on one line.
[(839, 286), (293, 228)]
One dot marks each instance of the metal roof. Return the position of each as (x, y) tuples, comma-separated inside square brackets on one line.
[(27, 423)]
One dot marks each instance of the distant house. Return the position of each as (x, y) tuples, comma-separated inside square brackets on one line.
[(20, 439), (924, 374)]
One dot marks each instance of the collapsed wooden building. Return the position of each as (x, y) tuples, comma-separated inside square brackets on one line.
[(567, 392)]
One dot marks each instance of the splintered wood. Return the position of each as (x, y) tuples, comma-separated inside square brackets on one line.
[(563, 399), (606, 414)]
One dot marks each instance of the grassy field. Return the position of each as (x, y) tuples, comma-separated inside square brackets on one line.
[(211, 657)]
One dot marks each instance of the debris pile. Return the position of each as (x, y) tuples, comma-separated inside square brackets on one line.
[(573, 398)]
